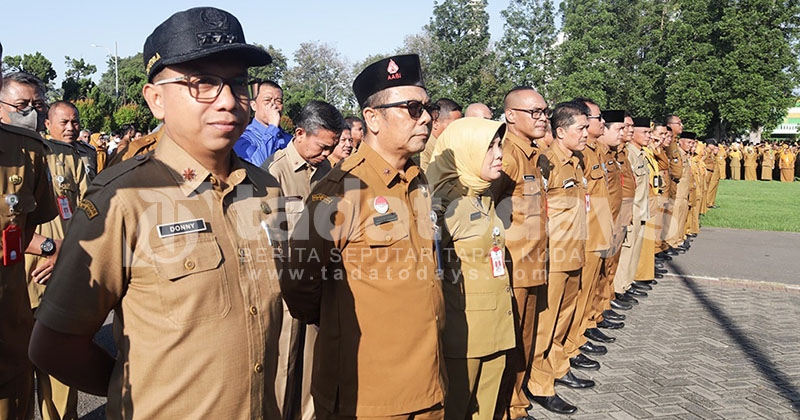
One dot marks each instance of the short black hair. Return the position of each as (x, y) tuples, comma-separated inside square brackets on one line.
[(658, 123), (668, 119), (257, 83), (585, 101), (564, 114), (58, 104), (352, 120), (23, 78), (319, 114), (447, 105)]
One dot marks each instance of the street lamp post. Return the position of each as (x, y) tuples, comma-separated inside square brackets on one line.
[(116, 64)]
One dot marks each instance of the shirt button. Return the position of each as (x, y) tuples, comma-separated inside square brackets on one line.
[(253, 310), (388, 237), (258, 368), (509, 312), (242, 252), (508, 289), (437, 318), (213, 180), (189, 264)]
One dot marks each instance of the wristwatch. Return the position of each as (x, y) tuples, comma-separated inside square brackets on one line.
[(48, 247)]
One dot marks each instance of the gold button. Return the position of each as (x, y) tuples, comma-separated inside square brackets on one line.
[(253, 310), (213, 180), (189, 264), (388, 237), (509, 312), (258, 368), (437, 318), (242, 252)]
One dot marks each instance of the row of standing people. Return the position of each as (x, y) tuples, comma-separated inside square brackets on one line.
[(775, 161)]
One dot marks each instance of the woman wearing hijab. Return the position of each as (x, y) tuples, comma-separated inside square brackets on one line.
[(479, 326), (100, 146)]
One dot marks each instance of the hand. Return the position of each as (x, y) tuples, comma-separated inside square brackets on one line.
[(41, 274), (273, 114)]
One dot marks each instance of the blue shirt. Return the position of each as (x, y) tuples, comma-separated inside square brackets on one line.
[(258, 142)]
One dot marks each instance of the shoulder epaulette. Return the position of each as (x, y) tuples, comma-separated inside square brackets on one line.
[(113, 172), (22, 131), (343, 168)]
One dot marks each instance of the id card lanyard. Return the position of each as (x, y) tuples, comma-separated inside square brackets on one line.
[(12, 234), (498, 264), (64, 207)]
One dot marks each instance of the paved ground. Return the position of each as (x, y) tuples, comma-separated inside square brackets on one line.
[(702, 346)]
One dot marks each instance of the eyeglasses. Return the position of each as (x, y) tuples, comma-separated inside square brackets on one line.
[(594, 117), (25, 108), (207, 87), (536, 113), (414, 108)]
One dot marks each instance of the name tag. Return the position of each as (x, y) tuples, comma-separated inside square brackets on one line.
[(569, 183), (529, 177), (386, 218), (181, 228), (475, 216)]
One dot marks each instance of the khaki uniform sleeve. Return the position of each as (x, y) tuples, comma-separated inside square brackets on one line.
[(323, 230), (91, 274)]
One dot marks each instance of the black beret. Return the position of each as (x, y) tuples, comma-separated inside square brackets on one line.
[(642, 122), (197, 33), (400, 70), (613, 116), (689, 135)]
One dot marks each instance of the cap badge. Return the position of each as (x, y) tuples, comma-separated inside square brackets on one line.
[(213, 18), (154, 59), (393, 70), (381, 204)]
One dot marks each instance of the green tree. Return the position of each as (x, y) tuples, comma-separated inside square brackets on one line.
[(132, 78), (36, 64), (462, 65), (92, 116), (77, 82), (526, 49), (321, 73), (274, 71)]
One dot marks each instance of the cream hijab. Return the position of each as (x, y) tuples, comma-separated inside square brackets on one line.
[(460, 152)]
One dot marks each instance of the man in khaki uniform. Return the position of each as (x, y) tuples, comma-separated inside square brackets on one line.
[(600, 225), (645, 268), (767, 162), (565, 188), (298, 168), (750, 163), (69, 181), (64, 124), (140, 146), (449, 111), (521, 206), (632, 246), (26, 202), (604, 292), (364, 266), (712, 174), (183, 245)]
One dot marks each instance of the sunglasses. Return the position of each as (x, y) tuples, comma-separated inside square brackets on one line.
[(414, 108)]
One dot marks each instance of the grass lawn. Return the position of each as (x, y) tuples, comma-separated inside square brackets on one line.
[(756, 205)]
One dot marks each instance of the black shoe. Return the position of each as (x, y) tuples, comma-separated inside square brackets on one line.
[(582, 362), (653, 282), (573, 381), (591, 348), (658, 275), (713, 207), (611, 325), (641, 285), (661, 271), (636, 292), (663, 257), (621, 306), (680, 249), (613, 316), (686, 244), (692, 235), (625, 297), (597, 335), (670, 251), (555, 404)]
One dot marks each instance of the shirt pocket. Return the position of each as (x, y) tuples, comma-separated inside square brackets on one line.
[(479, 301), (385, 234), (192, 285), (596, 172)]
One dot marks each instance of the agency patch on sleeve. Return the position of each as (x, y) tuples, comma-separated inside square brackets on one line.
[(321, 197), (88, 208)]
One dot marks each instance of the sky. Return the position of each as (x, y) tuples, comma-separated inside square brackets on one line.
[(357, 28)]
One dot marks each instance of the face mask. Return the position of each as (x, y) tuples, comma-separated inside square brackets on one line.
[(27, 118)]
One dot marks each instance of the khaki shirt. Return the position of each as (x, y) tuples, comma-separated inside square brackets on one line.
[(750, 156), (684, 187), (479, 320), (185, 263), (721, 160), (768, 158), (663, 170), (641, 173), (521, 205), (296, 178), (736, 158), (23, 172), (138, 147), (70, 181), (366, 274), (565, 187), (675, 167), (599, 220), (427, 153)]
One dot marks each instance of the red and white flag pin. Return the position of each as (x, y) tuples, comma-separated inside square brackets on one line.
[(381, 204)]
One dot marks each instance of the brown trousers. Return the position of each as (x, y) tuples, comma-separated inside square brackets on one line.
[(629, 258), (677, 225), (295, 360), (529, 303), (550, 360), (57, 401), (434, 413), (713, 185), (584, 304), (473, 386), (645, 268), (15, 397)]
